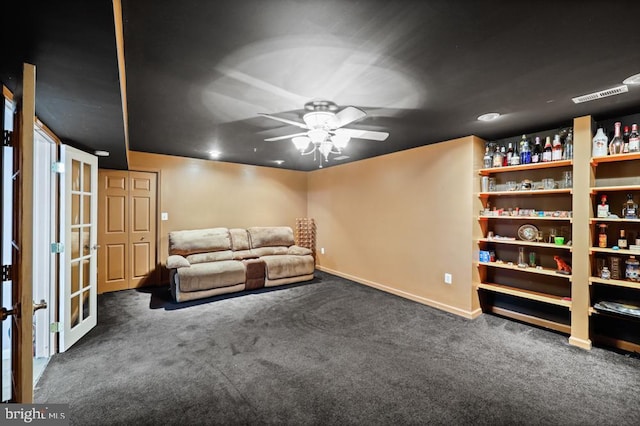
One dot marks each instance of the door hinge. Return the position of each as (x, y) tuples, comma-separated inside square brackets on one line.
[(7, 138), (54, 327), (57, 167), (57, 248), (6, 272)]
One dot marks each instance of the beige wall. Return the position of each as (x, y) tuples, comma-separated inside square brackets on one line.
[(203, 194), (400, 221)]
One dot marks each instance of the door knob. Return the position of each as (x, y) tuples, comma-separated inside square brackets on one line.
[(5, 313), (41, 305)]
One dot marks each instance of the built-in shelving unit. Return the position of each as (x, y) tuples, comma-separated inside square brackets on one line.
[(536, 293)]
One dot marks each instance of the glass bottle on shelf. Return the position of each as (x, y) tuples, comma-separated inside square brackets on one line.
[(603, 207), (503, 151), (488, 159), (497, 157), (617, 143), (525, 151), (568, 147), (509, 153), (536, 154), (625, 139), (547, 153), (515, 156), (602, 236), (630, 208), (622, 240), (600, 147), (634, 139), (556, 151), (606, 273)]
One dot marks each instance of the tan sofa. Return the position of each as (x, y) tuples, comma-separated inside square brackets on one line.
[(208, 262)]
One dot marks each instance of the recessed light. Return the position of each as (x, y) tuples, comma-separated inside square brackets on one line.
[(278, 162), (490, 116), (214, 154), (100, 153), (634, 79)]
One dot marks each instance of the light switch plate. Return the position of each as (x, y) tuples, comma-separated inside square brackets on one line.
[(164, 216)]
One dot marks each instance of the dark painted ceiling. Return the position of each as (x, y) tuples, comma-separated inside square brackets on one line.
[(199, 72)]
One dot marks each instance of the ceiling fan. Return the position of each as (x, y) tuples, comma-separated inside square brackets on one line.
[(324, 131)]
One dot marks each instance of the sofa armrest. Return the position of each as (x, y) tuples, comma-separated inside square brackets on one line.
[(176, 261), (299, 251)]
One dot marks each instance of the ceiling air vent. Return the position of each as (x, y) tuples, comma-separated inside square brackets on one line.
[(601, 94)]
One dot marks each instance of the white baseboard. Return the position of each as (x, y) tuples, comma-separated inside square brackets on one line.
[(425, 301)]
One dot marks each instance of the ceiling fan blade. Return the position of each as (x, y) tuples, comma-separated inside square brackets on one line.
[(284, 120), (348, 115), (278, 138), (363, 134)]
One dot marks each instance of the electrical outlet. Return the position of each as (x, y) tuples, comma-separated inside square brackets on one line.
[(448, 278), (322, 250), (164, 216)]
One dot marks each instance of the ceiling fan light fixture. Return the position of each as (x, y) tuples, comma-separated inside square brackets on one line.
[(325, 149), (318, 119), (340, 140), (301, 142), (317, 136)]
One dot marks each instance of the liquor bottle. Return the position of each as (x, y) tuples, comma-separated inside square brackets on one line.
[(515, 156), (600, 144), (602, 236), (546, 154), (487, 160), (625, 138), (634, 139), (497, 157), (509, 153), (505, 161), (568, 147), (536, 155), (603, 207), (622, 240), (525, 151), (617, 143), (556, 152), (630, 208)]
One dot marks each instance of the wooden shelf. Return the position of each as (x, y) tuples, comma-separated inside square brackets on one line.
[(528, 269), (612, 219), (612, 251), (540, 322), (547, 165), (596, 189), (566, 219), (613, 158), (617, 283), (524, 243), (526, 294), (518, 192)]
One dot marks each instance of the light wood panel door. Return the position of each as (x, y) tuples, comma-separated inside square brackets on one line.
[(127, 229)]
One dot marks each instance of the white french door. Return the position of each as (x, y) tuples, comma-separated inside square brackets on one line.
[(78, 213)]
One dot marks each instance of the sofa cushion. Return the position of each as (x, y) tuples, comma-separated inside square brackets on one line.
[(244, 254), (212, 256), (270, 236), (285, 266), (239, 239), (199, 241), (300, 251), (269, 251), (177, 261), (205, 276)]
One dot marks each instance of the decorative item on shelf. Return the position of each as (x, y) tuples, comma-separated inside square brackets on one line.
[(622, 240), (634, 139), (526, 185), (552, 235), (567, 179), (630, 208), (600, 144), (615, 267), (484, 256), (632, 269), (617, 143), (605, 274), (484, 184), (559, 241), (563, 266), (532, 259), (528, 232), (602, 236), (492, 184), (512, 185), (548, 183), (603, 207), (521, 259)]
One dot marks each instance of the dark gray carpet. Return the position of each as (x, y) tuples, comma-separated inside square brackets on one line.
[(329, 352)]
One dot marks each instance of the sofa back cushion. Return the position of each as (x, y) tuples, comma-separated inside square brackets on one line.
[(212, 256), (239, 239), (199, 241), (270, 236)]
